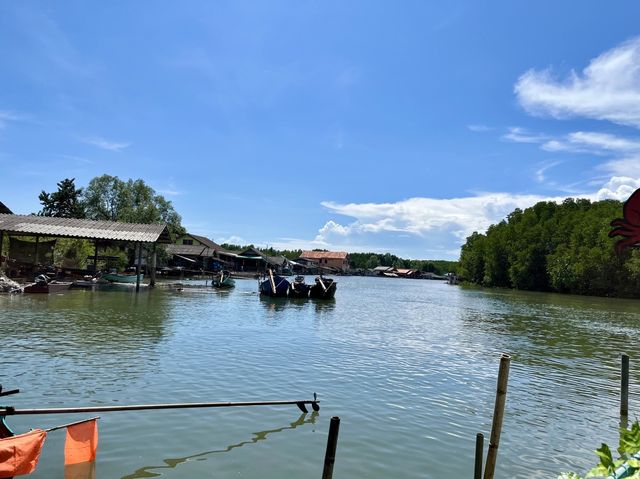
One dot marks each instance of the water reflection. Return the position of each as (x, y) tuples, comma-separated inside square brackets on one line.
[(149, 471), (281, 304)]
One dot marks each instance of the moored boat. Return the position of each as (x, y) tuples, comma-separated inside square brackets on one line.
[(274, 286), (299, 289), (44, 286), (121, 278), (223, 280), (324, 288)]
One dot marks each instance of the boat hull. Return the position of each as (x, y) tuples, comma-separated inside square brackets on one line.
[(121, 278), (281, 287), (47, 288), (324, 288)]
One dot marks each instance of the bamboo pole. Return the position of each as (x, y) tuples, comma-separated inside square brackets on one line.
[(332, 444), (498, 415), (10, 411), (624, 385), (477, 472)]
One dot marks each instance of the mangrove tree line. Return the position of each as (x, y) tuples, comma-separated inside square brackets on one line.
[(554, 247)]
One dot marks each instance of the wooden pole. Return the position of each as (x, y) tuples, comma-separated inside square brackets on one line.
[(498, 415), (1, 245), (332, 444), (10, 411), (35, 261), (153, 265), (624, 386), (477, 472), (139, 257), (95, 258)]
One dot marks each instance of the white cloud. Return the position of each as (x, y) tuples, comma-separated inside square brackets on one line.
[(106, 144), (608, 89), (593, 143), (237, 240), (479, 128), (617, 188), (419, 216), (7, 115), (540, 172), (521, 135)]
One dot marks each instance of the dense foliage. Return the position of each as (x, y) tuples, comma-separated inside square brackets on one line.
[(132, 201), (554, 247), (64, 203)]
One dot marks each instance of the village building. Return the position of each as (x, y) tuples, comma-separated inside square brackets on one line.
[(333, 260), (192, 252)]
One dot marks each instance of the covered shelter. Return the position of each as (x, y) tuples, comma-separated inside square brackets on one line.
[(51, 227)]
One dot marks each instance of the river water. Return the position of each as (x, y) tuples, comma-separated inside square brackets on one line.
[(409, 366)]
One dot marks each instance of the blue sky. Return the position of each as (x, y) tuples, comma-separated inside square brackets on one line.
[(395, 127)]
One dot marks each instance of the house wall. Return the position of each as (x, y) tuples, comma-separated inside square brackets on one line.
[(192, 240)]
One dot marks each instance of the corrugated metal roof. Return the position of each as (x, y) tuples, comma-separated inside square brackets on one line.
[(324, 254), (89, 229), (190, 250)]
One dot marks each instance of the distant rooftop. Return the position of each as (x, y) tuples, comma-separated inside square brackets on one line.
[(89, 229), (324, 254), (4, 209)]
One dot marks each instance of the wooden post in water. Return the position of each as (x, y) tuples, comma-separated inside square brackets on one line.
[(139, 258), (498, 415), (332, 444), (477, 471), (624, 386), (154, 257), (95, 258), (35, 261)]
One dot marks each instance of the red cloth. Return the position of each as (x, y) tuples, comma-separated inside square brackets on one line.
[(20, 454), (81, 443)]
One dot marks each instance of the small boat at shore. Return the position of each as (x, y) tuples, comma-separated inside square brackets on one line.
[(120, 278), (43, 285), (299, 288), (223, 280), (274, 286), (324, 288)]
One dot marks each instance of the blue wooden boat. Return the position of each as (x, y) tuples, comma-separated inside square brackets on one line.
[(223, 280), (274, 286), (121, 278)]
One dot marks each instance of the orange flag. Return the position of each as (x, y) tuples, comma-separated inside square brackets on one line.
[(19, 454), (81, 443)]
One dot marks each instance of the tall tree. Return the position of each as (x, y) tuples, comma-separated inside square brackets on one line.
[(132, 201), (64, 203)]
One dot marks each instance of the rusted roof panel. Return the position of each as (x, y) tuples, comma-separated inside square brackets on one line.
[(324, 254), (89, 229)]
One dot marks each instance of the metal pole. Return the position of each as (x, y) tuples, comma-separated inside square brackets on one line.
[(498, 414), (10, 411), (139, 255), (624, 385), (477, 472), (332, 444)]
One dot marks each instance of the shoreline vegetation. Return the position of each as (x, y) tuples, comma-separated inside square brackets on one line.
[(563, 248)]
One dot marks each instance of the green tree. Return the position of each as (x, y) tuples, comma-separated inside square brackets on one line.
[(109, 198), (64, 203)]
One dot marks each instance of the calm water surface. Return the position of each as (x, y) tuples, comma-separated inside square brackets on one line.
[(409, 366)]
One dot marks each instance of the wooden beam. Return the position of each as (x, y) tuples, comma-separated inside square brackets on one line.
[(153, 265)]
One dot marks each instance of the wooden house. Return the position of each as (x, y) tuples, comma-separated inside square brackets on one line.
[(333, 260)]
